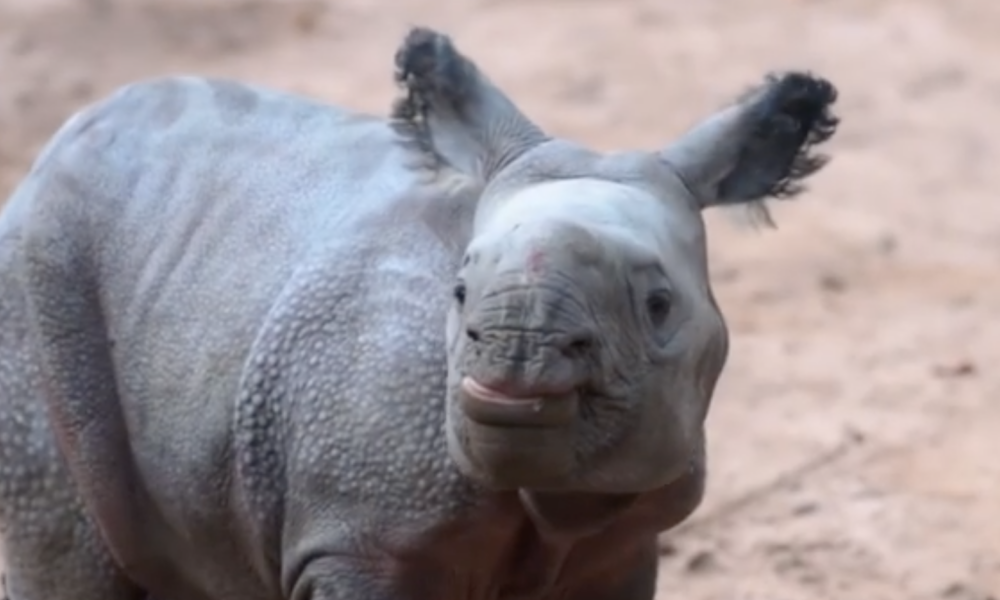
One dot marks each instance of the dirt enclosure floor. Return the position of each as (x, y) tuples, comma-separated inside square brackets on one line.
[(855, 437)]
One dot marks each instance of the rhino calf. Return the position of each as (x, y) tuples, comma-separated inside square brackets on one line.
[(254, 346)]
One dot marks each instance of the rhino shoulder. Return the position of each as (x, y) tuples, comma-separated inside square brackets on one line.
[(343, 390)]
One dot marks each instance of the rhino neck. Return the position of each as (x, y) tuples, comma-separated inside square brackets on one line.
[(563, 518), (556, 523)]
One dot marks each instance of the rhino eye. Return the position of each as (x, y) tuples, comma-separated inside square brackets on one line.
[(459, 294), (658, 306)]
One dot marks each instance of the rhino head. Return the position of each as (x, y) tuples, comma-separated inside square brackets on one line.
[(584, 342)]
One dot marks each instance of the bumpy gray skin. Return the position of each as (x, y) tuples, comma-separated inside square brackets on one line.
[(253, 346)]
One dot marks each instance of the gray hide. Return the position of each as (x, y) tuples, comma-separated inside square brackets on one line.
[(253, 346)]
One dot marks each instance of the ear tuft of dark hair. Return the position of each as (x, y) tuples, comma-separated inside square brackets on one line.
[(790, 115), (432, 74)]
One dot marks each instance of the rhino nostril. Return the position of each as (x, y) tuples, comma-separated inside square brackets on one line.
[(579, 345), (472, 334)]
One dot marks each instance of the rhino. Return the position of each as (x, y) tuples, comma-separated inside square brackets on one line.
[(256, 346)]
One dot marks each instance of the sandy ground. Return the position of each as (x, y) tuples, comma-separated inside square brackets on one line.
[(853, 434)]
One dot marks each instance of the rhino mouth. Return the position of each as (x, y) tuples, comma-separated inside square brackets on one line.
[(490, 407)]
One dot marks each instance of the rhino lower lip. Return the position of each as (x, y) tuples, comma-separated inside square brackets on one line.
[(488, 407)]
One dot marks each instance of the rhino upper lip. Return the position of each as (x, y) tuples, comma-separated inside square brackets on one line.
[(489, 407)]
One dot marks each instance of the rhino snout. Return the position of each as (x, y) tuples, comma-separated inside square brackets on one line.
[(527, 378)]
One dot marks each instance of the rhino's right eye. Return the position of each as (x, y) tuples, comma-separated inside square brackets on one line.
[(459, 294), (658, 305)]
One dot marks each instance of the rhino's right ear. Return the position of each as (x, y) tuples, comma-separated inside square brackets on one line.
[(759, 148), (458, 115)]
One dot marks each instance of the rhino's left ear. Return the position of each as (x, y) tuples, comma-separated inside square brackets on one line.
[(458, 114), (759, 148)]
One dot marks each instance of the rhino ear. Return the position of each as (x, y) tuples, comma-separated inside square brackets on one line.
[(454, 110), (760, 147)]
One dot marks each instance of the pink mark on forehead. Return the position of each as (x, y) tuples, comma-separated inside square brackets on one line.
[(536, 261)]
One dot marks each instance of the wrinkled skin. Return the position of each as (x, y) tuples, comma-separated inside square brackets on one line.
[(257, 347)]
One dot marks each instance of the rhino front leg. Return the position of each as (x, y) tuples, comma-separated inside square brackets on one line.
[(83, 409), (40, 567), (52, 549)]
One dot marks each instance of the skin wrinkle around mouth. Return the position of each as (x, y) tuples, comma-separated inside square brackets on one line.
[(520, 324)]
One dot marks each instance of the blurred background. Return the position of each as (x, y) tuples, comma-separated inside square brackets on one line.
[(855, 437)]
